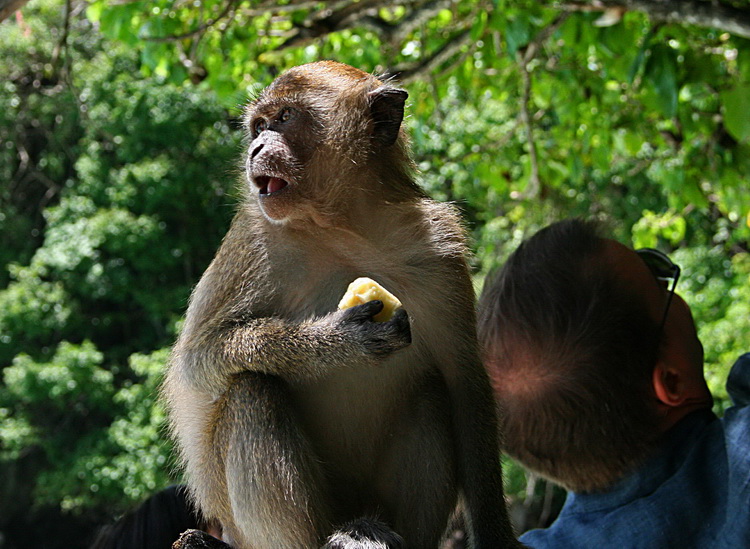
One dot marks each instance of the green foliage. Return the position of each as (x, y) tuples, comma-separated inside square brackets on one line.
[(652, 116), (126, 461), (39, 128), (116, 200), (62, 409), (718, 290)]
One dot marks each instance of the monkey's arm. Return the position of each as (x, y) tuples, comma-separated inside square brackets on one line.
[(479, 468), (292, 351), (473, 416), (479, 464)]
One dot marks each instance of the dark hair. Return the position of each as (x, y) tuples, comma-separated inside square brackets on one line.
[(154, 524), (571, 349)]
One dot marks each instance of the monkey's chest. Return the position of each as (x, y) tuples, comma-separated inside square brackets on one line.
[(308, 287), (315, 279), (352, 417)]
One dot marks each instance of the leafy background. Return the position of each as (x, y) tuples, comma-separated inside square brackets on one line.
[(119, 146)]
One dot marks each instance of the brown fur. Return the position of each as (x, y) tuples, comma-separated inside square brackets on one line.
[(294, 419)]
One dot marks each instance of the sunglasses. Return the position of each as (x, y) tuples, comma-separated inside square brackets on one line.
[(664, 269)]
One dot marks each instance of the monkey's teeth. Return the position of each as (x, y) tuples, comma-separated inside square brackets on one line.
[(269, 184), (275, 184)]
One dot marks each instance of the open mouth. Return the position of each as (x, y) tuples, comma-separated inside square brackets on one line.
[(268, 184)]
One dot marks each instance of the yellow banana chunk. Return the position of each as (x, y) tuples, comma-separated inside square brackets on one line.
[(366, 289)]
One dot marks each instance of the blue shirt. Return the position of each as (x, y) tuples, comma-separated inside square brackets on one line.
[(693, 493)]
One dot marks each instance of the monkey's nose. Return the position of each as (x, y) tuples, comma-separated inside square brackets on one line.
[(256, 150)]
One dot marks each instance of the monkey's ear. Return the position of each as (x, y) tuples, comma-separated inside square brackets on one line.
[(387, 110)]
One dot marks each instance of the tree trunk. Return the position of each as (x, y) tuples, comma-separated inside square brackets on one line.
[(10, 6)]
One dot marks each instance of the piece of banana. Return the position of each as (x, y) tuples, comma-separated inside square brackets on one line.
[(366, 289)]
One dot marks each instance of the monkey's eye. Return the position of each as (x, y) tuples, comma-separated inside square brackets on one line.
[(259, 126), (285, 114)]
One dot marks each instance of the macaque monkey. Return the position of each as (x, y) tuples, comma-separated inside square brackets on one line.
[(300, 424)]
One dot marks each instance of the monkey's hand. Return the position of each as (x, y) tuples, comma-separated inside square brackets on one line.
[(379, 339), (365, 289)]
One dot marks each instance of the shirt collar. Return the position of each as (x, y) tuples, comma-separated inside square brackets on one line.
[(670, 455)]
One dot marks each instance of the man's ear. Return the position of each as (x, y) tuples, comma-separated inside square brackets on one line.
[(668, 385), (387, 110)]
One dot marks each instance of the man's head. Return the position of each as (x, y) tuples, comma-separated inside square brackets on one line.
[(586, 377)]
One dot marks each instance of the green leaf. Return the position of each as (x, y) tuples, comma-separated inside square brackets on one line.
[(94, 11), (736, 105), (743, 64), (692, 194), (661, 71), (640, 57), (633, 142), (479, 25), (517, 33), (670, 226)]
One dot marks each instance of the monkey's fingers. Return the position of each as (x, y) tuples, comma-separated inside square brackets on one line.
[(402, 326), (387, 337), (195, 539), (365, 289), (364, 312)]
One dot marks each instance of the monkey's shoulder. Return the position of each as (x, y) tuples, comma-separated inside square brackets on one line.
[(444, 220), (435, 232)]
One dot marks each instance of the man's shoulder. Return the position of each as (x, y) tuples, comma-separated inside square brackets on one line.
[(586, 520), (736, 422), (549, 538), (576, 529), (736, 419), (738, 381)]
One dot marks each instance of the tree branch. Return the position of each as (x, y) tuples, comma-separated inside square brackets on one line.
[(524, 58), (62, 44), (408, 73), (704, 14), (7, 7), (535, 185), (200, 29), (334, 19), (418, 17)]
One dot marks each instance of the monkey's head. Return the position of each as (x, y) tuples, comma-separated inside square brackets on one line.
[(324, 136)]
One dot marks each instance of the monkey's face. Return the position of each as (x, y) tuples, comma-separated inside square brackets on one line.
[(318, 134), (277, 156)]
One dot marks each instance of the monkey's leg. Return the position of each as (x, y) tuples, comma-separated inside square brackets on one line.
[(274, 484), (365, 533), (418, 478)]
